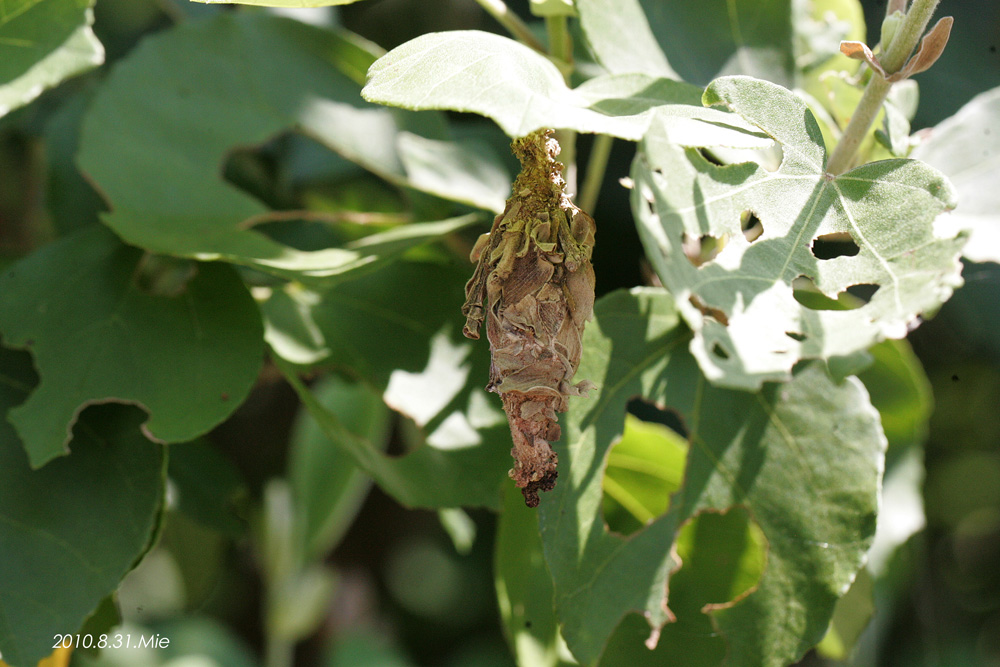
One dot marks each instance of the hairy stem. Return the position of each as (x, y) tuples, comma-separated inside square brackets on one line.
[(596, 166), (892, 61), (512, 22)]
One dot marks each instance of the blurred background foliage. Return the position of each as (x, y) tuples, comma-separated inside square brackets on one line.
[(411, 587)]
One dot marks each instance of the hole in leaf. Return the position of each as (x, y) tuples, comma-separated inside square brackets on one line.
[(708, 311), (723, 555), (702, 249), (796, 336), (751, 225), (829, 246), (642, 470), (719, 351), (710, 157), (806, 293), (864, 291)]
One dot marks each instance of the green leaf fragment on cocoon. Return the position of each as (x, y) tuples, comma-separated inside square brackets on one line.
[(966, 147), (479, 72), (41, 44), (165, 121), (804, 459), (70, 531), (741, 302), (96, 337)]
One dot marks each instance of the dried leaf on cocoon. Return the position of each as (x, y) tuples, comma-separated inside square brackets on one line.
[(534, 287)]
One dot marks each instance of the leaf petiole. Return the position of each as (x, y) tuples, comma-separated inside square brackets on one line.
[(513, 23), (895, 57)]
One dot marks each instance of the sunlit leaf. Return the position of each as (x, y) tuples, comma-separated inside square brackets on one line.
[(740, 289), (523, 91), (42, 43), (966, 147)]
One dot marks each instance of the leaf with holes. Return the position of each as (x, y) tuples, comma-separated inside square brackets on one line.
[(803, 459), (757, 259), (98, 336)]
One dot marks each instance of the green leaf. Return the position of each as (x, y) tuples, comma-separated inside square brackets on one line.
[(524, 587), (165, 121), (96, 336), (206, 486), (900, 391), (70, 531), (327, 487), (966, 147), (872, 226), (804, 459), (699, 40), (42, 43), (643, 469), (523, 91), (620, 37), (399, 330)]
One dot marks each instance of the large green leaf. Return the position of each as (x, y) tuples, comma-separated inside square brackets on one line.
[(871, 226), (163, 124), (699, 40), (399, 330), (523, 91), (966, 147), (327, 487), (803, 458), (70, 531), (96, 337), (43, 42)]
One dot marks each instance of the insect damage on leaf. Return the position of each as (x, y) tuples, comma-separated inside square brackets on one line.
[(534, 286)]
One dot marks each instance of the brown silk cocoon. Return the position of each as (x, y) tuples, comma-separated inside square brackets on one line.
[(534, 286)]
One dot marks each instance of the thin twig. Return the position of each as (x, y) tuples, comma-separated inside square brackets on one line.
[(512, 22), (597, 164)]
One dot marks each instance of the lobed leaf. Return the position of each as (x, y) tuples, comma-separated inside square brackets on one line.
[(41, 44), (70, 531), (523, 92), (744, 294), (164, 122), (966, 147), (96, 337), (804, 459)]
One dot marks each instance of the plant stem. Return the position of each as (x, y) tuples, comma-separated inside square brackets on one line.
[(560, 43), (512, 22), (892, 61), (279, 653), (596, 166)]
